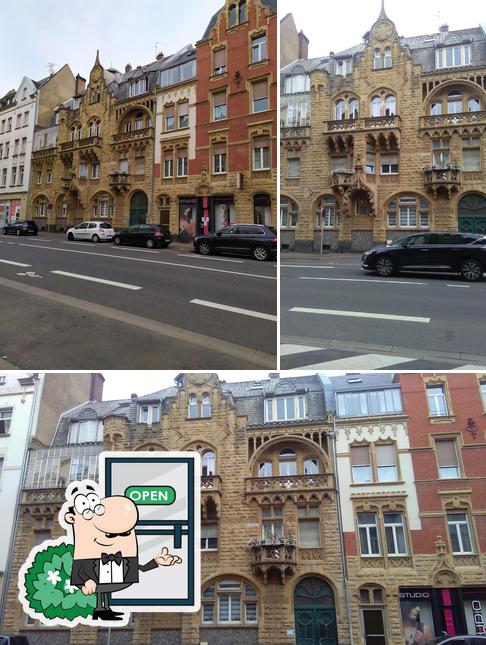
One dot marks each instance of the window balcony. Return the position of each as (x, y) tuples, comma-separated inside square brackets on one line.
[(341, 180), (210, 483), (278, 555), (78, 144), (369, 123), (290, 483), (133, 135), (445, 120), (446, 179), (120, 181), (295, 132), (44, 153)]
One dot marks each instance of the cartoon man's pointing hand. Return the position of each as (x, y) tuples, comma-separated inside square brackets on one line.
[(106, 549)]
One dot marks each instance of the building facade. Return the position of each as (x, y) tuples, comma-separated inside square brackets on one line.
[(402, 147)]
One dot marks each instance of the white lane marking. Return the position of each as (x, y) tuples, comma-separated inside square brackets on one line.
[(305, 277), (205, 257), (236, 310), (17, 264), (305, 266), (459, 286), (101, 280), (469, 368), (174, 264), (359, 314), (13, 243), (288, 349), (364, 361), (122, 247)]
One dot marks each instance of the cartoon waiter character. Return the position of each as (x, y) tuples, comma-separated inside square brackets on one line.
[(105, 547)]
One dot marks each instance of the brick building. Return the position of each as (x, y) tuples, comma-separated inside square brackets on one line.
[(401, 149)]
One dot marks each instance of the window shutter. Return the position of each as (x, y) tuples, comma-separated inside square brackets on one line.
[(169, 111), (385, 455), (309, 533), (168, 154), (219, 148), (219, 99), (261, 142), (446, 453), (220, 58), (360, 456), (183, 109), (139, 165), (181, 153), (260, 90)]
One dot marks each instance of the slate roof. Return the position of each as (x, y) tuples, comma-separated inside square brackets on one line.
[(270, 4), (355, 382)]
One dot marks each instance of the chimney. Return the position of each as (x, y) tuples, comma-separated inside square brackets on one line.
[(444, 28), (160, 56), (96, 390), (80, 85), (128, 68), (303, 46), (134, 396)]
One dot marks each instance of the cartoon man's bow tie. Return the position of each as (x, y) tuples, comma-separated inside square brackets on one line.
[(117, 557)]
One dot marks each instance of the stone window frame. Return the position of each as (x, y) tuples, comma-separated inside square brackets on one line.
[(458, 440), (371, 587), (437, 381), (313, 513), (392, 503), (337, 212), (251, 83), (383, 93), (460, 503), (346, 99), (212, 98), (221, 46), (211, 592), (420, 212), (441, 94), (253, 35), (481, 380), (151, 406), (371, 445), (289, 210), (239, 18), (94, 127), (199, 405), (276, 515), (215, 142), (6, 410)]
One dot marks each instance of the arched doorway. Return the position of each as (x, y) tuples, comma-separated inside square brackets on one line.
[(138, 208), (471, 214), (315, 613), (262, 210)]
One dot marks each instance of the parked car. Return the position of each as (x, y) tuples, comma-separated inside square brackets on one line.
[(468, 639), (21, 228), (256, 240), (148, 235), (13, 640), (462, 253), (93, 231)]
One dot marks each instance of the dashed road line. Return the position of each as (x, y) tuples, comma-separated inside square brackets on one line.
[(363, 361), (205, 257), (236, 310), (305, 277), (359, 314), (17, 264), (111, 283), (289, 349)]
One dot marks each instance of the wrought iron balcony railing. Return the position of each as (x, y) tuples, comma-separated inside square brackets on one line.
[(279, 555)]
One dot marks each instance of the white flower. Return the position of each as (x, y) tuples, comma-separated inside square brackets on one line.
[(54, 577), (69, 587)]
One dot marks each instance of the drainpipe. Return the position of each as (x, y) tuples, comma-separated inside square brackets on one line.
[(333, 435), (32, 422)]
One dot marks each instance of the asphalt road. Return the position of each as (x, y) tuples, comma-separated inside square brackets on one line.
[(79, 305), (334, 316)]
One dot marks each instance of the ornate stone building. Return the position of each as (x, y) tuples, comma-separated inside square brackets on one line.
[(400, 151), (270, 540)]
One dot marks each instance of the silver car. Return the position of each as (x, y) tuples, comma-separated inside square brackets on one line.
[(92, 231)]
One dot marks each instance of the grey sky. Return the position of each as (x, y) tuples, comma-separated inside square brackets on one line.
[(37, 33), (337, 26)]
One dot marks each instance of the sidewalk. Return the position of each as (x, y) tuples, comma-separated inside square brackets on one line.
[(290, 257), (182, 247)]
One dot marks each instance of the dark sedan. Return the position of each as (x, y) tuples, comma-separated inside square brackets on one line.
[(27, 227), (148, 235), (471, 639), (461, 253), (256, 240)]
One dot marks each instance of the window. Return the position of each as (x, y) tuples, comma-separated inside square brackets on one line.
[(260, 96), (437, 401), (361, 464), (473, 105), (182, 163), (205, 406), (41, 536), (447, 460), (272, 525), (440, 152), (370, 157), (209, 537), (5, 420), (192, 408), (242, 11), (340, 110), (296, 84), (149, 414), (311, 467), (285, 408), (208, 463), (139, 121), (265, 469), (386, 466), (49, 175), (140, 86), (18, 121), (168, 164), (39, 176), (287, 463), (309, 526), (23, 146), (232, 15), (293, 168), (123, 166), (389, 163), (229, 601), (460, 533), (9, 124), (258, 48), (289, 212), (471, 153), (353, 109), (412, 212), (369, 403), (169, 118), (372, 612), (219, 61), (219, 158), (388, 57), (4, 177), (454, 102), (376, 106), (390, 105), (454, 56), (344, 67), (95, 171), (85, 431), (16, 147), (219, 106), (368, 534), (13, 178), (482, 389), (183, 114), (377, 59), (178, 73), (261, 153), (83, 170), (7, 149), (394, 534), (436, 109)]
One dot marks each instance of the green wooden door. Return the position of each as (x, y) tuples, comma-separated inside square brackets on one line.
[(138, 208), (315, 613), (472, 214)]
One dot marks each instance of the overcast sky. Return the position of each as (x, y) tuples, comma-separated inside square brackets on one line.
[(337, 26), (35, 33)]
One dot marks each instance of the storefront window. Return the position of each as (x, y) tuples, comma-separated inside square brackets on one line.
[(416, 609)]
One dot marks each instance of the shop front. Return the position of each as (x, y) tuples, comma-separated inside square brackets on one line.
[(203, 215)]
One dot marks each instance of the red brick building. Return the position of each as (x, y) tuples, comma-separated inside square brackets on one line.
[(234, 171)]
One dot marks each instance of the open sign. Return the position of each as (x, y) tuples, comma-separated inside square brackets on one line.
[(151, 495)]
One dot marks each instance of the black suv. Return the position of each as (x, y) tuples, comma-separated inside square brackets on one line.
[(256, 240), (462, 253), (148, 235), (21, 228)]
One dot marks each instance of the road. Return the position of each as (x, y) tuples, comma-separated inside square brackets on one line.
[(334, 316), (79, 305)]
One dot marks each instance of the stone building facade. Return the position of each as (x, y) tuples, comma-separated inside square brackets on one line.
[(401, 150)]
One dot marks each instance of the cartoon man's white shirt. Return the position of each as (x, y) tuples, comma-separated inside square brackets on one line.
[(110, 572)]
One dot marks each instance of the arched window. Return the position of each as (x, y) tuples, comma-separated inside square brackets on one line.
[(73, 133), (473, 105), (375, 106), (192, 407), (388, 57), (41, 206), (206, 406), (242, 11), (340, 111), (390, 105), (230, 601), (328, 210), (208, 463), (287, 462), (288, 213), (232, 13), (311, 467), (408, 212), (353, 109), (371, 600), (102, 205), (454, 102), (377, 59), (139, 121)]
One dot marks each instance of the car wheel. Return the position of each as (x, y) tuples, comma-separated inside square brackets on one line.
[(117, 241), (385, 267), (471, 270), (4, 231), (149, 244), (260, 253), (17, 233), (70, 237), (204, 248), (95, 238)]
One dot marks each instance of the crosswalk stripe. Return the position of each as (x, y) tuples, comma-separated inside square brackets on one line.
[(288, 349), (361, 362), (470, 368)]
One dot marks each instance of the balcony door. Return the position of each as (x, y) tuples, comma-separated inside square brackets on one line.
[(315, 613), (138, 208)]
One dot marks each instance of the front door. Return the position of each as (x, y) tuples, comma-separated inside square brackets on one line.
[(472, 214), (138, 208), (315, 613)]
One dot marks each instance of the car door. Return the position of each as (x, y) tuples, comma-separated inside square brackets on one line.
[(81, 231), (419, 252), (91, 230), (145, 231), (225, 239)]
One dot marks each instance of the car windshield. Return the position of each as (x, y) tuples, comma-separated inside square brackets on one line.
[(105, 225), (401, 242)]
